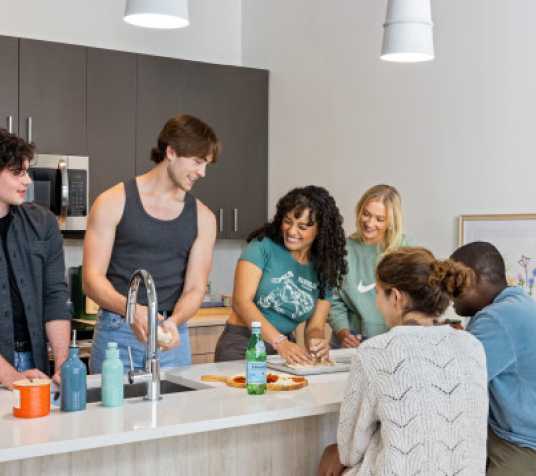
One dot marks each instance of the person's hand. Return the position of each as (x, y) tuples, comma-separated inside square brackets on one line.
[(13, 376), (170, 328), (347, 339), (293, 353), (139, 324), (330, 463), (319, 348)]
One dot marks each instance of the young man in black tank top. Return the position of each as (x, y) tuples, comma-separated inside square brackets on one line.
[(152, 222), (33, 292)]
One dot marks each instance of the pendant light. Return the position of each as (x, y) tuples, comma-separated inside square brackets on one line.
[(408, 35), (163, 14)]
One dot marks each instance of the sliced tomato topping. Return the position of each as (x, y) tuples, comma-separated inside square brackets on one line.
[(272, 378), (240, 379)]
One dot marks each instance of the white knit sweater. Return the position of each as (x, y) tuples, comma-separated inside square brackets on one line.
[(416, 403)]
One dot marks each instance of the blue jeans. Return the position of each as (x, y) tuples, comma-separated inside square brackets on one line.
[(112, 327), (23, 361)]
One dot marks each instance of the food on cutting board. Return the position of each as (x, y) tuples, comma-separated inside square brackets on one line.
[(274, 382), (316, 363)]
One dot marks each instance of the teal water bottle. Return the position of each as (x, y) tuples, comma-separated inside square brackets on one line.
[(112, 377), (256, 362), (73, 381)]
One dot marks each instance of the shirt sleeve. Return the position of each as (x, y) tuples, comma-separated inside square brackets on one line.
[(257, 252), (496, 341), (338, 315), (358, 422), (55, 288)]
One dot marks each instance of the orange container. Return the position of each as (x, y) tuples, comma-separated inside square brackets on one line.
[(32, 398)]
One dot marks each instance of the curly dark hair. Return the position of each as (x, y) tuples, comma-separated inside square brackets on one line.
[(14, 151), (329, 247)]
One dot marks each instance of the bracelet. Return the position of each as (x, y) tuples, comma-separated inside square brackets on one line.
[(280, 338)]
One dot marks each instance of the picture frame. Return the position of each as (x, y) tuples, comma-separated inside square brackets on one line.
[(514, 235)]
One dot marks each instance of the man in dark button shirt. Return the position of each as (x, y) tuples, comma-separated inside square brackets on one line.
[(33, 292)]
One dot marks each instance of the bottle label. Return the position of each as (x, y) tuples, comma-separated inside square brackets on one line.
[(16, 398), (256, 373)]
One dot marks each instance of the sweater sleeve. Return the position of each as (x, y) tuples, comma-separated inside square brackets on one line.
[(358, 422), (338, 314)]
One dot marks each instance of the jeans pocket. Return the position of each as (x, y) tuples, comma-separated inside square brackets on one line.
[(109, 321)]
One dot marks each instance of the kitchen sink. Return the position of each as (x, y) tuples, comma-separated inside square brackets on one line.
[(133, 390)]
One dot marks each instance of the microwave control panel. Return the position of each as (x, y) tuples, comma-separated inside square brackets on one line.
[(77, 193)]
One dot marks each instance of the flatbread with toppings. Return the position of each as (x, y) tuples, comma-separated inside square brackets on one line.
[(274, 382)]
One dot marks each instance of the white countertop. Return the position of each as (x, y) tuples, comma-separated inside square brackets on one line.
[(214, 407)]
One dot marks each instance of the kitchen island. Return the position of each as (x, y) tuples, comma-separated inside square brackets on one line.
[(213, 430)]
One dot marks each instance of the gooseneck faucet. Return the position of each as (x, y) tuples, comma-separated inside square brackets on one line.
[(151, 375)]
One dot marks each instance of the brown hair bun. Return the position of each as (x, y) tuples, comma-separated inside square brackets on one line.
[(450, 276)]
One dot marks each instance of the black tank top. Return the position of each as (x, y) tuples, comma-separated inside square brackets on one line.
[(161, 247)]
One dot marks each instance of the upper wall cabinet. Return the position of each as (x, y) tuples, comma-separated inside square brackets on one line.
[(233, 101), (156, 103), (9, 84), (52, 111), (111, 117)]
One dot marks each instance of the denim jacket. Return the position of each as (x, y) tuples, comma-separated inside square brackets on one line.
[(35, 248)]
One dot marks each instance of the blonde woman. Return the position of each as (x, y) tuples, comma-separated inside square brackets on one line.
[(378, 231)]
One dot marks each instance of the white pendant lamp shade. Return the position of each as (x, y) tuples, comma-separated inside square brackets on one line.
[(164, 14), (408, 31)]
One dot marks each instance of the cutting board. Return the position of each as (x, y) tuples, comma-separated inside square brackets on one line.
[(276, 362)]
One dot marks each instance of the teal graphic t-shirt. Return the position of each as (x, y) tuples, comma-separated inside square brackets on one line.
[(288, 290)]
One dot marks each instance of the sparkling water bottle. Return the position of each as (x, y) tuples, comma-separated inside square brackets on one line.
[(256, 362)]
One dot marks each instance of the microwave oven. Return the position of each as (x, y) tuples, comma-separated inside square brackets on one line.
[(61, 184)]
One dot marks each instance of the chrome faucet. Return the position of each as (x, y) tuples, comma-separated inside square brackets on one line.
[(151, 375)]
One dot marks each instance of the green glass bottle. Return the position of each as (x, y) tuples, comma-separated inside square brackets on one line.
[(256, 362)]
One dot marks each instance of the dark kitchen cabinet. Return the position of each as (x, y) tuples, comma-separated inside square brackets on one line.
[(52, 108), (156, 103), (111, 118), (9, 83), (233, 101)]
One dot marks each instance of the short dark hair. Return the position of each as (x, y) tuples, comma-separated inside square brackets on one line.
[(188, 136), (14, 151), (484, 259)]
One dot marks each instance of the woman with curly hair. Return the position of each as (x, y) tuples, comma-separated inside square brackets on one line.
[(378, 231), (285, 276)]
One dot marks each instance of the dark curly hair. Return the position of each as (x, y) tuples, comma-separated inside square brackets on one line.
[(329, 247), (14, 151)]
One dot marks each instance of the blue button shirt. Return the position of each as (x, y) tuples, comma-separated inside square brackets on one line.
[(507, 329)]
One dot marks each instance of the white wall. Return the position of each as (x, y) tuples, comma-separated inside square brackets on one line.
[(214, 34), (455, 135)]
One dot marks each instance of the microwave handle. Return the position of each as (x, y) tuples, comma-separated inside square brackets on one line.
[(62, 165)]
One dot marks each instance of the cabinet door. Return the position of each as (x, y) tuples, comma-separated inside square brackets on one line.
[(9, 83), (156, 103), (53, 96), (111, 118)]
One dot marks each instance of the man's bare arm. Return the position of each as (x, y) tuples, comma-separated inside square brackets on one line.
[(198, 268), (103, 219)]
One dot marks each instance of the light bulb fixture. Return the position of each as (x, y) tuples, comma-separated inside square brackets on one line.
[(163, 14), (408, 32)]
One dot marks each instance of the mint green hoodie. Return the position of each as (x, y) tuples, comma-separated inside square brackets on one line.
[(354, 305)]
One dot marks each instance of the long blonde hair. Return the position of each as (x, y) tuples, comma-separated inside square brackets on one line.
[(390, 198)]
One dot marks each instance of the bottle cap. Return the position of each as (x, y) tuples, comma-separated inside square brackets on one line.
[(73, 342), (256, 324), (112, 345)]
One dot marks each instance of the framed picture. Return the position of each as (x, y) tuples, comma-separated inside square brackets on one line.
[(515, 238)]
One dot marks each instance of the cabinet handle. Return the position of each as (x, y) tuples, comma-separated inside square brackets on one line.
[(220, 227), (10, 124), (235, 219), (30, 124)]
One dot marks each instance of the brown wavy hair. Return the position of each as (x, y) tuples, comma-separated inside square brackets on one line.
[(14, 151), (188, 137), (429, 283)]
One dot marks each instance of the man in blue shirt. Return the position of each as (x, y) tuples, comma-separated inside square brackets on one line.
[(503, 318)]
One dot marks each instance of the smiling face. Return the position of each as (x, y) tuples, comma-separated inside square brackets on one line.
[(13, 185), (373, 222), (184, 172), (300, 232)]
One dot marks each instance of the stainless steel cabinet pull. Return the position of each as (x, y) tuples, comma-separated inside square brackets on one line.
[(235, 216), (30, 129), (221, 221), (62, 166), (10, 124)]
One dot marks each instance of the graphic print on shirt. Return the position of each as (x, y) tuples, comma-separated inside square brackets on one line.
[(288, 294), (365, 288)]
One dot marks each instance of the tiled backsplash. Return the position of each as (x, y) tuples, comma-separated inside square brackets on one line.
[(226, 254)]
